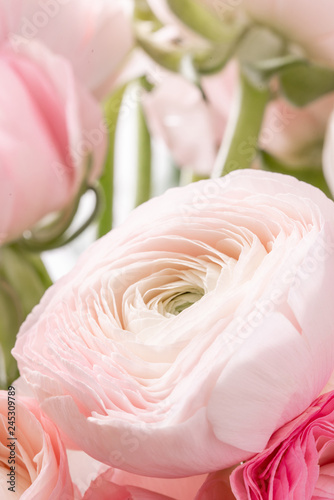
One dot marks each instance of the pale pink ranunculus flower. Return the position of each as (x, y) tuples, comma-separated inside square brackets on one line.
[(36, 455), (141, 487), (49, 124), (94, 36), (296, 135), (309, 24), (190, 125), (87, 473), (178, 115), (185, 337), (216, 487), (293, 135), (298, 461)]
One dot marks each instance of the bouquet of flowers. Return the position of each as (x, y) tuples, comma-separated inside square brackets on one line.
[(188, 352)]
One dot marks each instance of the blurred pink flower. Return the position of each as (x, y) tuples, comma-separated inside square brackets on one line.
[(207, 314), (216, 487), (298, 462), (95, 36), (293, 135), (135, 487), (296, 135), (40, 462), (191, 126), (48, 126), (307, 23)]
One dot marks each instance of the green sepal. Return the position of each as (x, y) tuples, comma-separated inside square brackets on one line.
[(303, 82), (25, 274), (312, 174)]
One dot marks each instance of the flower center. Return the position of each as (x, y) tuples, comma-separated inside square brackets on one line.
[(178, 303)]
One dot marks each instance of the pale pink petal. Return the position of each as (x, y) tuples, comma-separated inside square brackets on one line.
[(177, 113), (40, 465)]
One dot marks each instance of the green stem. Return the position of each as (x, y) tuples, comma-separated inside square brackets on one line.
[(33, 243), (187, 177), (112, 109), (144, 183), (240, 143)]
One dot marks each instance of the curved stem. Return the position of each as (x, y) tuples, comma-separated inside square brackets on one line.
[(33, 244), (240, 143), (112, 110)]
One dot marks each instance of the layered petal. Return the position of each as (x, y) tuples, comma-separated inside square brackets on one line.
[(298, 462), (117, 482), (207, 314), (33, 462)]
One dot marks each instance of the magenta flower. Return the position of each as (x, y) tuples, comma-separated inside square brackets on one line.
[(298, 463)]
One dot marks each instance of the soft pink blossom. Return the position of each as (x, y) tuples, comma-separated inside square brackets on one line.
[(41, 469), (49, 125), (296, 135), (307, 23), (184, 338), (216, 487), (95, 36), (141, 487), (293, 135), (298, 462), (191, 126)]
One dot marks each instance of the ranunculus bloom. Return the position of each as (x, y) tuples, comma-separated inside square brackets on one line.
[(216, 487), (298, 462), (141, 487), (177, 114), (184, 338), (307, 23), (48, 126), (95, 44), (104, 489), (190, 126), (295, 135), (41, 469)]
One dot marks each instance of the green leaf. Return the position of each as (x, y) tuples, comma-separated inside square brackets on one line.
[(25, 274), (302, 83), (307, 173), (112, 109), (23, 281)]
